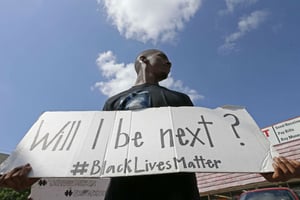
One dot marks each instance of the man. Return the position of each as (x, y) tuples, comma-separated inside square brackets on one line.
[(152, 66)]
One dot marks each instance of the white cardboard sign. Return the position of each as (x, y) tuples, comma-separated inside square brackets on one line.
[(286, 131), (147, 141), (69, 189)]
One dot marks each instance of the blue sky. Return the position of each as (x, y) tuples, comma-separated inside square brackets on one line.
[(71, 55)]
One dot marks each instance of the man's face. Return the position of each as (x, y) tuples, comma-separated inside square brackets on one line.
[(159, 65)]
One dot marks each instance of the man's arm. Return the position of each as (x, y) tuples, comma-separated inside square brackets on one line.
[(284, 170), (17, 178)]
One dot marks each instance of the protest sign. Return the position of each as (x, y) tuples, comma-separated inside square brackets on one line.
[(282, 132), (146, 141)]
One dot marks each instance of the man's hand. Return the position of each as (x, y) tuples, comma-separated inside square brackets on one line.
[(17, 178), (284, 170)]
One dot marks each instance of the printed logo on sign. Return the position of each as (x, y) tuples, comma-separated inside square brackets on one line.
[(42, 182), (68, 193)]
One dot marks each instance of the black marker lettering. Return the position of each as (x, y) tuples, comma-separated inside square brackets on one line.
[(119, 134), (206, 130), (162, 134)]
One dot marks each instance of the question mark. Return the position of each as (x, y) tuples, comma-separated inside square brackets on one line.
[(237, 122)]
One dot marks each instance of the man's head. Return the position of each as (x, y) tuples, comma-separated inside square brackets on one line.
[(154, 64)]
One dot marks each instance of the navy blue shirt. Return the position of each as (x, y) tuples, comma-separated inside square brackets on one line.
[(145, 96), (173, 186)]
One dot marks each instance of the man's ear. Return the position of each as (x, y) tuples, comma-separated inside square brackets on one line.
[(142, 59)]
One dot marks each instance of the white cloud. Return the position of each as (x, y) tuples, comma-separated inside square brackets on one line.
[(119, 77), (150, 20), (232, 4), (245, 25)]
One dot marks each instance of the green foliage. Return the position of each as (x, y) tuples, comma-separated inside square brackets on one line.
[(8, 194)]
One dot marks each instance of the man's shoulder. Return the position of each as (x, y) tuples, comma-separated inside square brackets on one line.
[(110, 102), (178, 98), (117, 96), (175, 92)]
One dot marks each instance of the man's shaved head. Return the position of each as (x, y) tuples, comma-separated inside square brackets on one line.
[(142, 56)]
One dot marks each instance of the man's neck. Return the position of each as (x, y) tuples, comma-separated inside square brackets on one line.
[(142, 79)]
